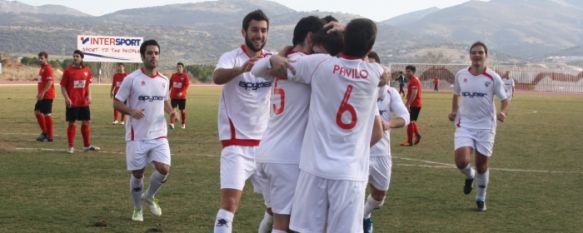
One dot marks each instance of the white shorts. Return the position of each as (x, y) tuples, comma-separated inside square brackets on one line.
[(280, 184), (481, 140), (380, 172), (142, 152), (238, 165), (323, 205)]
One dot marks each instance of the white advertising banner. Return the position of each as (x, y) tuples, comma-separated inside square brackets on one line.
[(110, 48)]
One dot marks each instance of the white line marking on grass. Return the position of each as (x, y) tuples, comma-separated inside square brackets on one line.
[(101, 151)]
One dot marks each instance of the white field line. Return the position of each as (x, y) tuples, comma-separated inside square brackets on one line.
[(428, 164), (121, 137)]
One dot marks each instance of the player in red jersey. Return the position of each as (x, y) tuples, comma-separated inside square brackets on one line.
[(44, 99), (414, 103), (75, 88), (115, 84), (179, 83)]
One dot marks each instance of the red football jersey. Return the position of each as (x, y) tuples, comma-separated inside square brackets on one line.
[(45, 75), (116, 82), (414, 84), (179, 83), (76, 81)]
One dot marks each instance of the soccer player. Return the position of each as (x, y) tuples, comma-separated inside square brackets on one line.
[(279, 153), (179, 83), (475, 119), (75, 89), (508, 85), (328, 42), (413, 103), (436, 84), (389, 102), (145, 92), (401, 80), (334, 157), (115, 84), (44, 98), (243, 116)]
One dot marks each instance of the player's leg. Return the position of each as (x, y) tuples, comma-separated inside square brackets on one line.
[(379, 180), (136, 162), (484, 148), (346, 206), (174, 104), (159, 155), (40, 119), (237, 165), (281, 188), (464, 147), (48, 115), (260, 181), (182, 107), (416, 131), (71, 115), (85, 117), (115, 115)]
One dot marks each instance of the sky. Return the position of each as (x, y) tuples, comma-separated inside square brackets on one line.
[(376, 10)]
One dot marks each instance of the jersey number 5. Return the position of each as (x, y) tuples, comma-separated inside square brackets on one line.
[(281, 92), (346, 107)]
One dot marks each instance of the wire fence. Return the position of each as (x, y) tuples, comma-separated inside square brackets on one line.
[(566, 80)]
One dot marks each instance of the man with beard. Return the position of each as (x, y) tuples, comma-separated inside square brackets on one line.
[(243, 116)]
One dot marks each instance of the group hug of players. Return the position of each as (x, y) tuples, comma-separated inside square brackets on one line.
[(309, 126)]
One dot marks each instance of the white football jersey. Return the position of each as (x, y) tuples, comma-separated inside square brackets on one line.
[(287, 123), (244, 103), (476, 98), (389, 103), (508, 87), (147, 93), (341, 116)]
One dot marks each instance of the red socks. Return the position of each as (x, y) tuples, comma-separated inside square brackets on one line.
[(40, 118), (71, 134), (115, 114), (85, 133), (415, 129), (49, 126), (183, 117), (410, 129)]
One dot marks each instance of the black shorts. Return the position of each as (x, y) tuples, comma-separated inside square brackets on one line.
[(414, 111), (78, 114), (178, 102), (45, 106)]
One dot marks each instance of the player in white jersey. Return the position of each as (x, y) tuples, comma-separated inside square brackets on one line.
[(243, 116), (145, 93), (279, 153), (508, 85), (334, 155), (389, 102), (475, 119)]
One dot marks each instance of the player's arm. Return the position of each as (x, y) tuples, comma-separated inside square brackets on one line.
[(454, 107), (64, 81), (377, 130), (112, 86), (412, 97), (225, 75), (504, 106), (45, 89), (398, 108), (88, 94), (121, 107)]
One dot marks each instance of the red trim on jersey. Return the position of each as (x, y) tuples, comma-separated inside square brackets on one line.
[(349, 57), (161, 137), (459, 122), (487, 75), (244, 48), (151, 76), (233, 141), (292, 52), (132, 133)]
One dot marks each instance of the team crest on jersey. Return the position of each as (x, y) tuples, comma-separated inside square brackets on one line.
[(487, 84), (85, 73)]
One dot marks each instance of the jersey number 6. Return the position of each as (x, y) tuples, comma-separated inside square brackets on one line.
[(346, 107), (281, 92)]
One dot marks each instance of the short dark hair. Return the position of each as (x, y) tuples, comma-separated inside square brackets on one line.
[(375, 56), (329, 19), (121, 64), (479, 43), (257, 15), (333, 42), (359, 37), (304, 26), (43, 54), (79, 52), (411, 68), (180, 64), (146, 44)]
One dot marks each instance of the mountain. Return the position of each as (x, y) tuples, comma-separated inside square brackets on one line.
[(21, 8), (522, 28), (406, 19)]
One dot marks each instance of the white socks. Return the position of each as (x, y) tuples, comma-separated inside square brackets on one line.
[(136, 186), (223, 222), (468, 171), (482, 181), (156, 180), (266, 223), (370, 205), (278, 231)]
